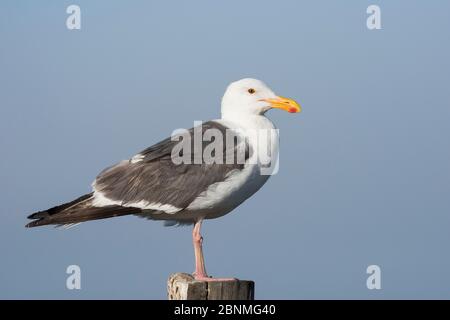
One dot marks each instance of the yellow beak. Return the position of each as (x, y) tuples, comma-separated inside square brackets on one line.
[(286, 104)]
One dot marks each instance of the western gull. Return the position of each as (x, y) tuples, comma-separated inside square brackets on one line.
[(173, 183)]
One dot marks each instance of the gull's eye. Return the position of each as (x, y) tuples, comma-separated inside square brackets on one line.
[(251, 91)]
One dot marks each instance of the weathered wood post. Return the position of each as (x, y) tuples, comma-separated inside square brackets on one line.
[(183, 286)]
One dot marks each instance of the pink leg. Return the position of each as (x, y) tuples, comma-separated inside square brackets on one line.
[(200, 270)]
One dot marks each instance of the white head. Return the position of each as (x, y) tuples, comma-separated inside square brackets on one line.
[(252, 97)]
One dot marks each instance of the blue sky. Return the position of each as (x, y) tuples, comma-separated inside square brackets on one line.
[(364, 169)]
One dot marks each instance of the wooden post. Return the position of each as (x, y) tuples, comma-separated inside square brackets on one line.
[(182, 286)]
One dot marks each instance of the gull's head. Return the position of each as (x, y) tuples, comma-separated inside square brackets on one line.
[(253, 97)]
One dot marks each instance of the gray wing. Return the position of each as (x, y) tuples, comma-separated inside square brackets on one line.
[(151, 177)]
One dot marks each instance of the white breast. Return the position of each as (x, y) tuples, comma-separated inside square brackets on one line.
[(222, 197)]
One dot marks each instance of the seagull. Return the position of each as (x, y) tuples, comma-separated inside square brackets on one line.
[(173, 182)]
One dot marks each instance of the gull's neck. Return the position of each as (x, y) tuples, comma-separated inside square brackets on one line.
[(247, 121)]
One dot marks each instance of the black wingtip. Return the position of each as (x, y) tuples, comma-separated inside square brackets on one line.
[(45, 217), (38, 223), (31, 224), (39, 218), (38, 215)]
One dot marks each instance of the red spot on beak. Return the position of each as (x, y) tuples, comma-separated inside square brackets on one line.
[(292, 110)]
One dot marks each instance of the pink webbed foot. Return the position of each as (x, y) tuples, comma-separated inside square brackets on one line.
[(211, 279)]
